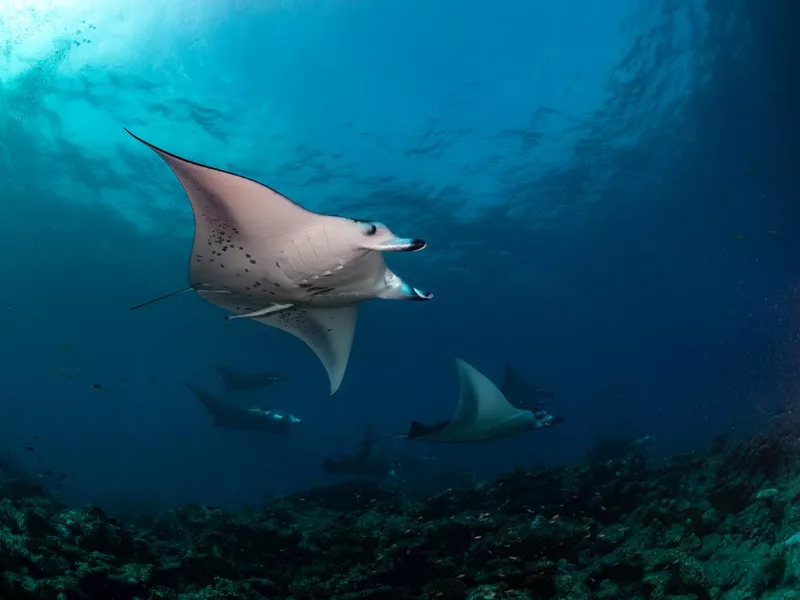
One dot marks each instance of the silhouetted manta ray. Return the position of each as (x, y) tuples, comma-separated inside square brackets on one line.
[(248, 419), (483, 414), (236, 381), (261, 256)]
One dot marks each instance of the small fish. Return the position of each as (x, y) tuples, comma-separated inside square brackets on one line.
[(97, 386), (30, 449)]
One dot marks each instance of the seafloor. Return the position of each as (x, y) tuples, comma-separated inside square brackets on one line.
[(724, 525)]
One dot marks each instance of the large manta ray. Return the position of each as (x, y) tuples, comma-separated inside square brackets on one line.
[(260, 256)]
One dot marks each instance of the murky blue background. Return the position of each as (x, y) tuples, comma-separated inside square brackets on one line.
[(609, 192)]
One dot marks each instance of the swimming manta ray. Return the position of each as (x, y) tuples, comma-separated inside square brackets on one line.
[(260, 256), (247, 419), (483, 414)]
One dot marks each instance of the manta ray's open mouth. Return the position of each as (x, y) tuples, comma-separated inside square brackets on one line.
[(416, 245)]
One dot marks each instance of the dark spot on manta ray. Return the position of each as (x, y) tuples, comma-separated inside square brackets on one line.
[(252, 261), (247, 255), (277, 284), (247, 270), (277, 264)]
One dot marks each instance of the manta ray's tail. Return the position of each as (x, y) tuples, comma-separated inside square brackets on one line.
[(164, 297)]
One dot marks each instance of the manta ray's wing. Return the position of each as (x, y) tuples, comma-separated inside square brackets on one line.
[(218, 409), (234, 380), (328, 332), (520, 392), (239, 223), (480, 403)]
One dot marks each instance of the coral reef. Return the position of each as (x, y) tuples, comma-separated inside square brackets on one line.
[(722, 526)]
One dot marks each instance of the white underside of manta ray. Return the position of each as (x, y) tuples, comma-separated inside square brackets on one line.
[(260, 256), (483, 413)]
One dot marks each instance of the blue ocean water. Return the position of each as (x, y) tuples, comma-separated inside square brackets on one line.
[(608, 192)]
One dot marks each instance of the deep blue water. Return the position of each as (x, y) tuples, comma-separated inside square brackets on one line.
[(609, 193)]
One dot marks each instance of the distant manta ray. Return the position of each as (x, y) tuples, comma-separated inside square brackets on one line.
[(261, 256), (246, 419), (483, 414), (236, 381)]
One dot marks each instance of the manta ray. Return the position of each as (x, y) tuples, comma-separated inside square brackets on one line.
[(236, 381), (261, 256), (483, 414), (247, 419)]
